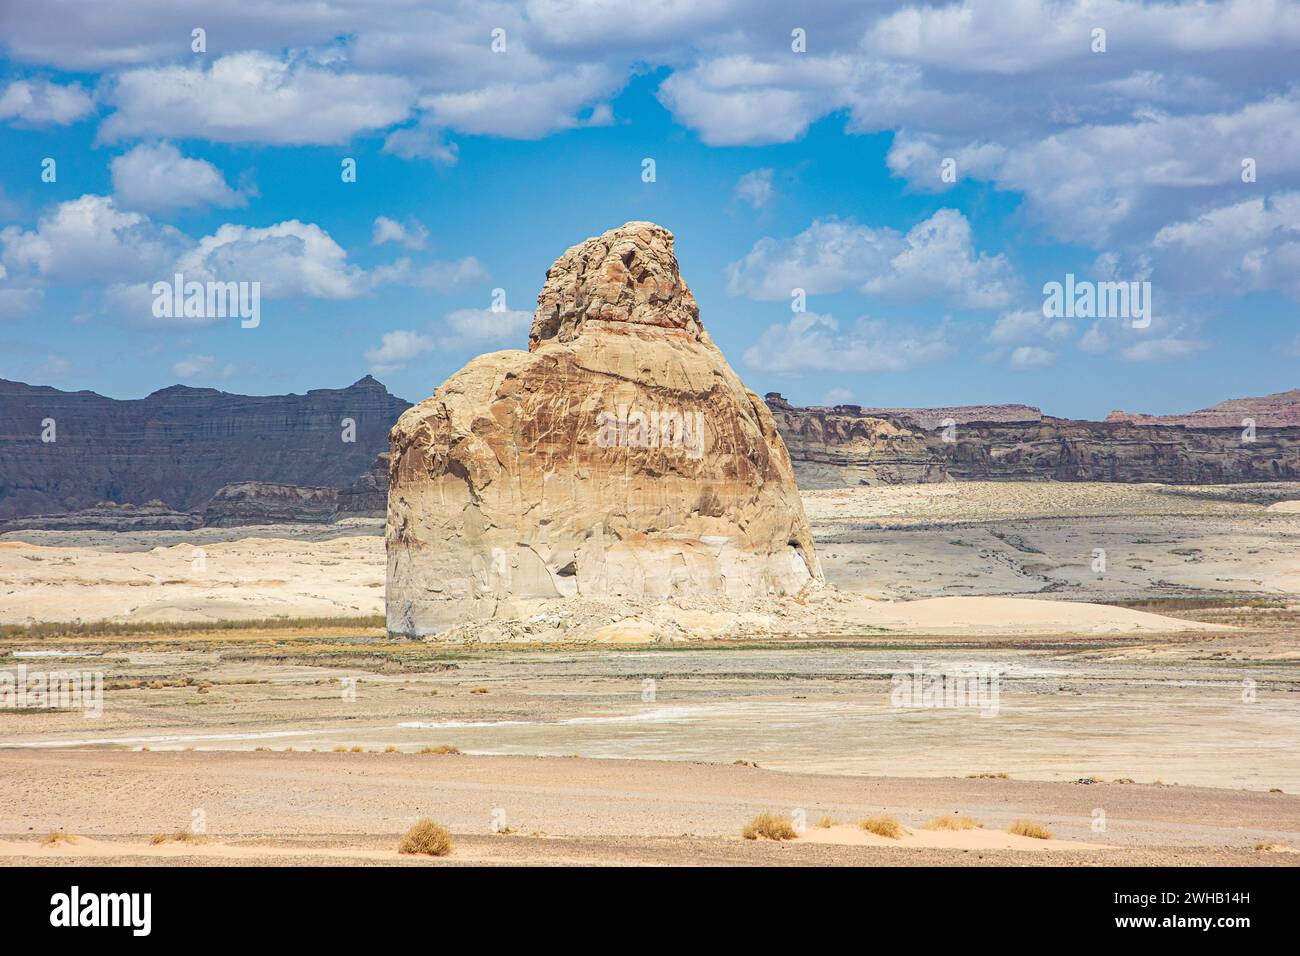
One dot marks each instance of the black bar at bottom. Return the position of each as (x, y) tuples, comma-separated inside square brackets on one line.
[(330, 906)]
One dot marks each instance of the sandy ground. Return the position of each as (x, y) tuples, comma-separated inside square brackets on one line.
[(1203, 710), (248, 579), (302, 808), (263, 578), (1018, 538), (940, 578)]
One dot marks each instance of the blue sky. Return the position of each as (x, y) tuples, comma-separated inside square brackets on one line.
[(776, 169)]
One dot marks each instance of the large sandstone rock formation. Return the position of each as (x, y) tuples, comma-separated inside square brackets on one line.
[(620, 457)]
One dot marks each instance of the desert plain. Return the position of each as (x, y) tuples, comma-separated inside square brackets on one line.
[(1144, 638)]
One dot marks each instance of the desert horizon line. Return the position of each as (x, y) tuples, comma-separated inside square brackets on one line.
[(768, 394)]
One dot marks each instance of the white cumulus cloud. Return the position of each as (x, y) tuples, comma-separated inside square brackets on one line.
[(815, 343), (89, 239), (255, 97), (396, 349), (479, 328), (935, 260), (755, 188), (156, 178), (411, 234), (42, 103)]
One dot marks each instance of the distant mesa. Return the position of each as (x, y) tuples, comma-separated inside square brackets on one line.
[(620, 457), (848, 445), (180, 446), (184, 457), (1280, 410)]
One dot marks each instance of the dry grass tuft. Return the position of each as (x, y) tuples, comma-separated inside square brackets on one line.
[(427, 838), (988, 776), (882, 826), (1027, 828), (391, 750), (825, 823), (440, 749), (1122, 780), (744, 763), (183, 835), (340, 750), (357, 750), (478, 690), (953, 823), (770, 826), (55, 837)]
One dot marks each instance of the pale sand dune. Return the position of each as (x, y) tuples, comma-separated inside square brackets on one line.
[(976, 839), (248, 579), (82, 848), (1003, 615), (79, 848)]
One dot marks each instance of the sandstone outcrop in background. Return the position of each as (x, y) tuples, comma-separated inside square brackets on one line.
[(846, 445), (1279, 410), (620, 457)]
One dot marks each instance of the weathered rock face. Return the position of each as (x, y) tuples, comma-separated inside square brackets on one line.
[(368, 495), (1069, 450), (620, 457), (833, 447), (265, 502), (848, 446), (1279, 410), (150, 516)]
